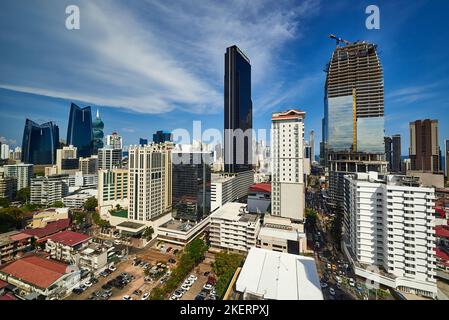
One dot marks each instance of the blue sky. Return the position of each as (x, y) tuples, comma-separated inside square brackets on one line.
[(152, 65)]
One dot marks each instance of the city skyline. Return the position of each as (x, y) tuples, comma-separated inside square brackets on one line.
[(277, 64)]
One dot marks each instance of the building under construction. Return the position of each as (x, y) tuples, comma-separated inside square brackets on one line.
[(353, 123)]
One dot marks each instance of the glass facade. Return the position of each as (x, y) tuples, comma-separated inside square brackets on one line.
[(238, 110), (79, 130), (191, 185), (162, 136), (40, 142), (339, 125), (97, 132), (370, 135)]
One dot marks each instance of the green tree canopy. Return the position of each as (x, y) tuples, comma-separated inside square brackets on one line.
[(23, 195), (91, 204), (57, 204), (148, 233), (4, 202)]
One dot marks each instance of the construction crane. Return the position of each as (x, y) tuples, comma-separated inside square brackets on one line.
[(338, 39)]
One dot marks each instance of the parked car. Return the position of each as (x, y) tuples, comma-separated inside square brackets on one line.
[(77, 291), (127, 297), (178, 294), (206, 273), (324, 285), (137, 292), (117, 241), (88, 284), (94, 280), (338, 279), (175, 251), (207, 287), (185, 287), (108, 243), (145, 296), (332, 291), (112, 268), (171, 260), (193, 277), (200, 297), (351, 282)]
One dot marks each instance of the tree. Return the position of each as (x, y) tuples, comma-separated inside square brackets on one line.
[(118, 207), (23, 195), (148, 233), (57, 204), (91, 204), (4, 202)]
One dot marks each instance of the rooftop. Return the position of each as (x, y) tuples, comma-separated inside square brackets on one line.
[(279, 276), (69, 238), (234, 211), (131, 225), (279, 233), (261, 187), (49, 229), (442, 231), (35, 270)]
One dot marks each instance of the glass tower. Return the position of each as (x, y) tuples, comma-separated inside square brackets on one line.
[(79, 130), (40, 142), (162, 136), (191, 185), (238, 111), (97, 132)]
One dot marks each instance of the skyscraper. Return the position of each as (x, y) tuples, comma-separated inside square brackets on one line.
[(287, 164), (150, 181), (424, 148), (109, 158), (162, 136), (143, 142), (66, 159), (114, 140), (40, 142), (97, 132), (446, 156), (238, 111), (312, 146), (389, 152), (191, 185), (397, 154), (353, 137), (79, 130)]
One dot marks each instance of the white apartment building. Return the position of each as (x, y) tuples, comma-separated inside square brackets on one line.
[(109, 158), (389, 224), (228, 187), (233, 228), (114, 141), (22, 172), (79, 181), (150, 181), (112, 189), (47, 190), (4, 151), (88, 165), (76, 200), (287, 164)]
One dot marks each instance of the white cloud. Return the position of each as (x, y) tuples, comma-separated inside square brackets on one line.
[(157, 56)]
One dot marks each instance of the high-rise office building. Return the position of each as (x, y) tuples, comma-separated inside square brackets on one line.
[(4, 151), (66, 159), (79, 130), (150, 181), (109, 158), (446, 156), (191, 185), (88, 165), (389, 152), (287, 164), (48, 190), (312, 145), (353, 135), (143, 142), (114, 141), (22, 172), (162, 136), (424, 148), (397, 154), (238, 111), (389, 224), (40, 142), (112, 189), (97, 133)]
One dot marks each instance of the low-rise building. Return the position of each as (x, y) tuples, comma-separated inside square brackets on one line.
[(34, 274), (64, 245), (181, 232), (233, 228), (12, 244), (229, 187), (50, 228), (259, 197), (76, 200), (270, 275), (43, 217), (8, 187)]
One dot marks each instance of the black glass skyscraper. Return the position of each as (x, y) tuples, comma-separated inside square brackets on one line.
[(238, 111), (162, 136), (79, 131), (40, 142), (191, 185)]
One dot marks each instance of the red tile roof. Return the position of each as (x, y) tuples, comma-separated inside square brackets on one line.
[(3, 284), (35, 270), (20, 236), (441, 254), (69, 238), (440, 212), (49, 229), (8, 296), (261, 187), (442, 231)]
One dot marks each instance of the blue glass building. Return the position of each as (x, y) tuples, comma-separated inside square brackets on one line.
[(143, 142), (40, 142), (162, 136), (97, 132), (79, 130)]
